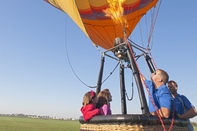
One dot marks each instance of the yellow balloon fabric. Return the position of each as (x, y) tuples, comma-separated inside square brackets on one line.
[(102, 30)]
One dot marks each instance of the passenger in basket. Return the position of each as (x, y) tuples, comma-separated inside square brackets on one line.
[(160, 99), (182, 105), (104, 99), (89, 106)]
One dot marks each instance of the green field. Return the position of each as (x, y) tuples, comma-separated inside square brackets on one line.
[(30, 124)]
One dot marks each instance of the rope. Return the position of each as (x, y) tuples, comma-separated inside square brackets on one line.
[(153, 24), (151, 98), (172, 122), (141, 34), (137, 45), (72, 66), (80, 79), (132, 94), (111, 72), (148, 91), (70, 62), (152, 60)]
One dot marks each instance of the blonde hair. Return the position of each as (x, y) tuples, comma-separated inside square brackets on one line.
[(88, 98), (164, 75), (103, 97)]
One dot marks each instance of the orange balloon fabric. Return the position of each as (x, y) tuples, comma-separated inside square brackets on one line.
[(102, 30)]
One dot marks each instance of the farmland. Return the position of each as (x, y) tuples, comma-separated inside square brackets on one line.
[(34, 124), (30, 124)]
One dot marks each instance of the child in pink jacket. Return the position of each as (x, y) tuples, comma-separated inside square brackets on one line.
[(89, 109)]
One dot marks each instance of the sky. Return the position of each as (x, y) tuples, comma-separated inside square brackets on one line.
[(37, 42)]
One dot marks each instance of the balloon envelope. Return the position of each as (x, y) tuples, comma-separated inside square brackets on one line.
[(102, 30)]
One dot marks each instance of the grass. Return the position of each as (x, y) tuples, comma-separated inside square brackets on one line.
[(30, 124)]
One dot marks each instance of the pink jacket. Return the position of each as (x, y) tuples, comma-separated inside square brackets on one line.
[(106, 109), (89, 111)]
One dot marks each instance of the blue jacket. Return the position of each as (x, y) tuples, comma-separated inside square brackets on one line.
[(161, 96)]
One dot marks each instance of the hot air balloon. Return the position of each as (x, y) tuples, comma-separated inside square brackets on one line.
[(101, 29), (108, 24)]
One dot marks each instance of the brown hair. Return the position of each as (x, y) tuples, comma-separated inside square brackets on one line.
[(103, 97), (88, 98), (173, 83), (164, 76)]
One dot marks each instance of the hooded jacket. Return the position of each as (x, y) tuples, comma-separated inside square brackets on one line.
[(89, 111)]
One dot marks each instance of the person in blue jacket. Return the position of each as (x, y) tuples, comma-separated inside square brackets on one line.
[(182, 105), (160, 99)]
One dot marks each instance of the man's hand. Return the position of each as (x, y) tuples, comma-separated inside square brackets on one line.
[(163, 112), (179, 115), (142, 78)]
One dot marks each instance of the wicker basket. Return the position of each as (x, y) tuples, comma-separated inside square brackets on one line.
[(126, 127), (130, 123)]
